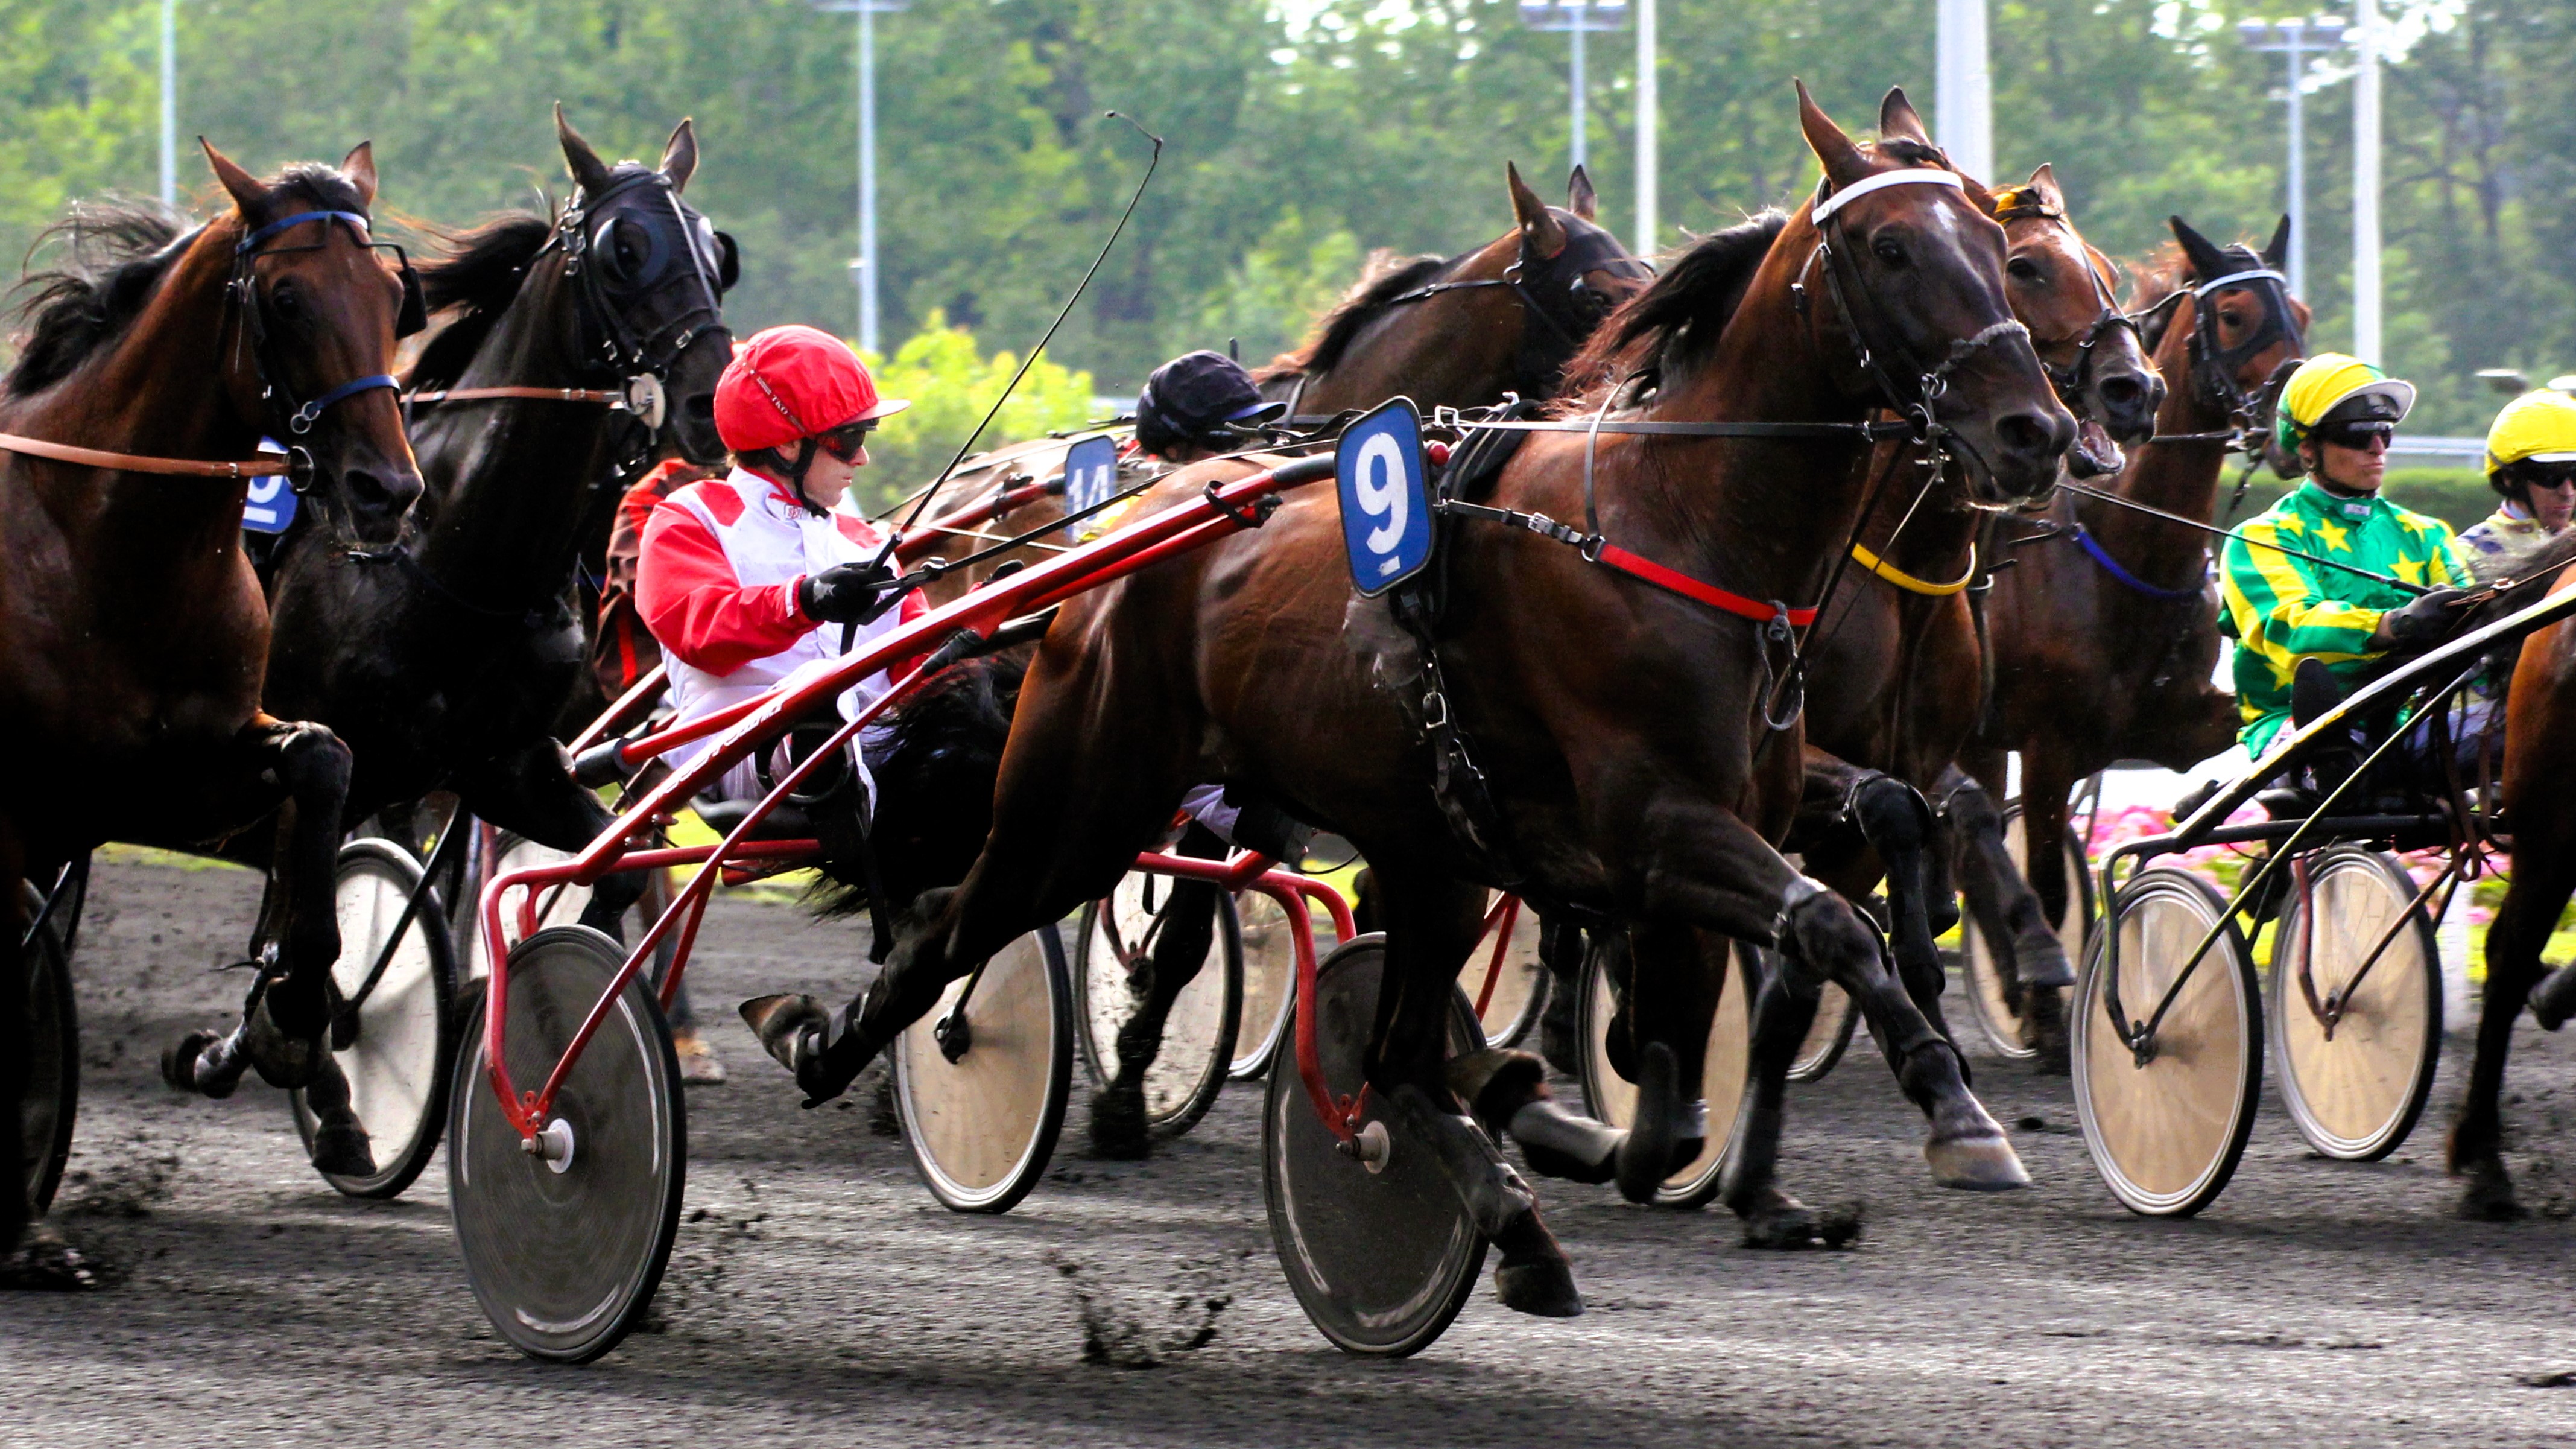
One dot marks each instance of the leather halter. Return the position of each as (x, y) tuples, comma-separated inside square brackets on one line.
[(2017, 204)]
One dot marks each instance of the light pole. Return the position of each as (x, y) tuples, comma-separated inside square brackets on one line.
[(1962, 93), (169, 102), (866, 266), (2296, 39), (1576, 18), (1647, 221), (2365, 180)]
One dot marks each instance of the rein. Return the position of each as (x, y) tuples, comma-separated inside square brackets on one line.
[(266, 467), (2169, 517), (1908, 582)]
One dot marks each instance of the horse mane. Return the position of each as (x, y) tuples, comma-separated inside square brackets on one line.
[(118, 251), (478, 271), (1674, 324), (1385, 278)]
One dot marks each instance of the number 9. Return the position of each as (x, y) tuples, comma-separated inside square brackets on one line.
[(1380, 484)]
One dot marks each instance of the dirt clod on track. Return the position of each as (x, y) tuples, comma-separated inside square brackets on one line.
[(819, 1296)]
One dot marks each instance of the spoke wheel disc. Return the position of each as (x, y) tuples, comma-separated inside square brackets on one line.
[(1269, 980), (2166, 1134), (52, 1098), (982, 1128), (399, 1065), (1996, 1015), (1827, 1037), (2356, 1094), (1380, 1261), (1723, 1073), (1198, 1032), (564, 1257), (1520, 988)]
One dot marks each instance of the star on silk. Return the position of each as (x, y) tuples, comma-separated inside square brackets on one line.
[(2333, 536)]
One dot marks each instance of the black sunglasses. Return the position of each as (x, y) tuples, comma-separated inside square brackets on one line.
[(847, 441), (2546, 475), (2356, 436)]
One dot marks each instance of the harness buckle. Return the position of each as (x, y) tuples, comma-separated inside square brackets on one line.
[(1435, 710), (1590, 546)]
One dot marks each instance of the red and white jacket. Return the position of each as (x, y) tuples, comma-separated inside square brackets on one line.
[(716, 583)]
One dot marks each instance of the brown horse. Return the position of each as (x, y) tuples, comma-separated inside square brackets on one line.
[(1619, 726), (1898, 668), (2091, 667), (132, 631)]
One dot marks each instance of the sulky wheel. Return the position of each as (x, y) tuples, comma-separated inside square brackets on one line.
[(565, 1249), (2166, 1131), (1827, 1036), (1723, 1071), (982, 1126), (52, 1099), (1997, 1016), (562, 905), (1520, 990), (1380, 1260), (394, 1039), (1113, 968), (2356, 1083), (1269, 980)]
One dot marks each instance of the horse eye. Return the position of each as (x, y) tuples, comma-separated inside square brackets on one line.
[(1889, 251), (2022, 269), (282, 298)]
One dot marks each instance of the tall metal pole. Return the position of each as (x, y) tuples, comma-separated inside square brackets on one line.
[(867, 177), (1962, 99), (2298, 162), (2365, 182), (1574, 86), (1646, 122), (169, 102)]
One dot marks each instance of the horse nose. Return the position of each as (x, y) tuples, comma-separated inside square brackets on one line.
[(380, 496), (2129, 403), (2034, 438)]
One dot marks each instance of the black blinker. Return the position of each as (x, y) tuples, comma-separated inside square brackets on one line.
[(414, 315), (728, 262)]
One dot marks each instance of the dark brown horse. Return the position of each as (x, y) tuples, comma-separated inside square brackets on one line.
[(1618, 724), (2093, 666), (1898, 669), (132, 631)]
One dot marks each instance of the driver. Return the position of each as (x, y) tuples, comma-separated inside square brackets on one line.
[(2307, 633), (2531, 460), (751, 578)]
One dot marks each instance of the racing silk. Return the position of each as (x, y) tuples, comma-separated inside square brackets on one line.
[(2281, 608), (717, 583), (2502, 531)]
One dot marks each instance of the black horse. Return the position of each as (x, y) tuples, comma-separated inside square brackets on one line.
[(445, 660)]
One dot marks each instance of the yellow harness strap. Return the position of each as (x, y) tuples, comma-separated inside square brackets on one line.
[(1908, 582)]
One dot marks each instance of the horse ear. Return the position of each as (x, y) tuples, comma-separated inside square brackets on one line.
[(1842, 160), (680, 158), (1542, 235), (1579, 197), (2043, 184), (588, 171), (248, 195), (2278, 250), (2206, 259), (1896, 117), (360, 167)]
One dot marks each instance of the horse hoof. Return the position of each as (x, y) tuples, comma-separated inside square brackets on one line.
[(1791, 1227), (2043, 963), (46, 1263), (1541, 1288), (179, 1061), (1495, 1084), (341, 1149), (283, 1059), (1976, 1164), (2489, 1198), (778, 1021), (1118, 1125), (1839, 1227), (2554, 999), (1646, 1158)]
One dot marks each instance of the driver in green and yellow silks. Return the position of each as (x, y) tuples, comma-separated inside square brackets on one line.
[(2338, 415)]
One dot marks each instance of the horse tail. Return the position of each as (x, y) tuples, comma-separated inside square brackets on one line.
[(936, 762)]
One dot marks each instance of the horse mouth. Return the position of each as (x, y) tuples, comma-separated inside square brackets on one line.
[(2094, 454)]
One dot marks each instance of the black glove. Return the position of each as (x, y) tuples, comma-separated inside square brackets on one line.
[(851, 593), (2424, 621)]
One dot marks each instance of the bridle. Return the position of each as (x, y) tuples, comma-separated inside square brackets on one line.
[(2214, 367), (2075, 381), (241, 296), (1587, 249)]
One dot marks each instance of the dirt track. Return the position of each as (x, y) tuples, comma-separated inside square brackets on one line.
[(818, 1295)]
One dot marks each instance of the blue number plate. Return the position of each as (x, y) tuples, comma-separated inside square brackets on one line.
[(1090, 475), (270, 505), (1386, 497)]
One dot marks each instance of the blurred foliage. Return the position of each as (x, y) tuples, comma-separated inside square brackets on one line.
[(951, 383), (1306, 132), (2457, 496)]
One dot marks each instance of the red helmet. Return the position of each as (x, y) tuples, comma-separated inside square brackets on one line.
[(793, 382)]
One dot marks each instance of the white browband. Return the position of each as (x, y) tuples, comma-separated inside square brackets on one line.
[(2238, 279), (1913, 176)]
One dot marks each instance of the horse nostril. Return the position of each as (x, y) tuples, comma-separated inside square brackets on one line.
[(2122, 393), (2035, 434), (381, 494)]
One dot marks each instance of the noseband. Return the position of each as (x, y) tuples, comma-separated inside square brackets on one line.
[(2074, 382), (2214, 368)]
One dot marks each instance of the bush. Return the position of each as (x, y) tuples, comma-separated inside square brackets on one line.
[(2457, 496), (951, 383)]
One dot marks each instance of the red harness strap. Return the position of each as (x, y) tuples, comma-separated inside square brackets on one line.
[(1613, 556)]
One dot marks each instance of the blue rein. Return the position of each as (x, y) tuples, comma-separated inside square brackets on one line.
[(2084, 540), (303, 419)]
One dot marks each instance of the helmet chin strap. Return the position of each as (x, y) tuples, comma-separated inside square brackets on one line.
[(796, 475)]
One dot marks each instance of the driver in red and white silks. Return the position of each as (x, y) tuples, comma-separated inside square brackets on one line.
[(748, 581)]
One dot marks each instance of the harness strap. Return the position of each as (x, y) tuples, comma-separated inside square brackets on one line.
[(264, 467), (1908, 582), (1911, 176), (2084, 540), (1596, 549), (478, 394), (303, 418), (1869, 432)]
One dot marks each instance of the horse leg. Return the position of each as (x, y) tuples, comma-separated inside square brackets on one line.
[(1783, 1009), (1180, 948), (17, 1209), (2544, 874), (1897, 823), (530, 791), (1433, 923), (1561, 950)]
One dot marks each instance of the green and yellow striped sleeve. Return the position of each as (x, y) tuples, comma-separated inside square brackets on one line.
[(2280, 611)]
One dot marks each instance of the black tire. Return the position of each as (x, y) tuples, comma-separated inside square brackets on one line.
[(982, 1129), (52, 1103), (1197, 1052), (2001, 1026), (2355, 1093), (2166, 1133), (400, 1062), (1380, 1261), (1724, 1068), (1519, 996), (565, 1259), (1837, 1016), (1269, 959)]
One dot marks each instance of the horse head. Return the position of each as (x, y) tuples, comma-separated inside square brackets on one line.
[(1570, 270), (2241, 332), (653, 272), (2061, 288), (1900, 275), (317, 312)]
